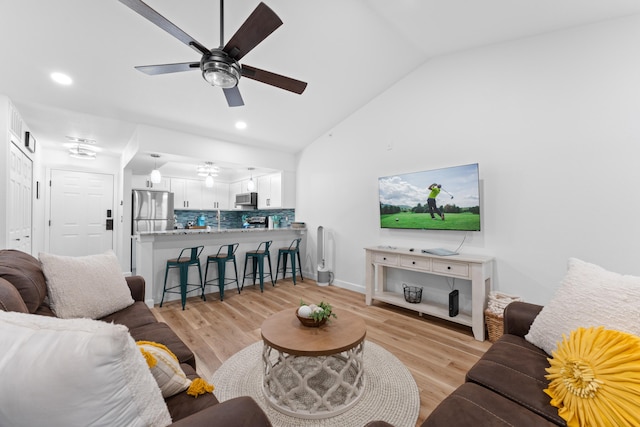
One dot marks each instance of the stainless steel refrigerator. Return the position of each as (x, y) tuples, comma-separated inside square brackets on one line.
[(151, 211)]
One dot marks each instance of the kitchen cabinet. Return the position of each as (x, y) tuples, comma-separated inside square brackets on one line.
[(187, 193), (143, 182), (270, 191), (216, 197)]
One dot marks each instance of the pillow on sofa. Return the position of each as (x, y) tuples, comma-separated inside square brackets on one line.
[(166, 370), (595, 378), (72, 372), (589, 295), (90, 286), (164, 367)]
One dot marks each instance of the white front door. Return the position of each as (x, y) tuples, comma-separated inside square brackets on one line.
[(81, 209)]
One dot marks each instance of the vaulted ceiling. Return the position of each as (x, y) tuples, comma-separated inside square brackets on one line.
[(347, 51)]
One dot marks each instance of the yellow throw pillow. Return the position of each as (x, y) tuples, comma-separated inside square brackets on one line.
[(166, 370), (595, 378)]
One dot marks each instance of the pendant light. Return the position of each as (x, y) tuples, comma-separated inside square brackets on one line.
[(251, 185), (155, 175), (208, 181)]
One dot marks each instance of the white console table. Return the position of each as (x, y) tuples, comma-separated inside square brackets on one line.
[(477, 268)]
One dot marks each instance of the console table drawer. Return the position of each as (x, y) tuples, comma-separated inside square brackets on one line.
[(386, 259), (416, 262), (454, 268)]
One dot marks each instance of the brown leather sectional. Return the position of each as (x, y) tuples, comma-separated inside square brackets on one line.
[(23, 289), (505, 387)]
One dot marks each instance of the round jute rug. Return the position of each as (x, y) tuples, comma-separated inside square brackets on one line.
[(390, 393)]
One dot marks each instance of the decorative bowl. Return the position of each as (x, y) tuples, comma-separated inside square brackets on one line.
[(310, 322)]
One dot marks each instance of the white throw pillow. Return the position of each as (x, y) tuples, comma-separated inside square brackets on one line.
[(89, 286), (74, 372), (588, 296)]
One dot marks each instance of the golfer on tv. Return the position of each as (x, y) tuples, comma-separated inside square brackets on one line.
[(431, 201)]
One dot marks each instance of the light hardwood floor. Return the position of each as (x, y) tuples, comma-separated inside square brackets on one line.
[(438, 353)]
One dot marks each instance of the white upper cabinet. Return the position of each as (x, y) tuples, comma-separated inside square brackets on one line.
[(143, 182), (187, 193), (216, 197), (276, 190)]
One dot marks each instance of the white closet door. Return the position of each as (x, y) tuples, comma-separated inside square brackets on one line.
[(80, 202), (20, 182)]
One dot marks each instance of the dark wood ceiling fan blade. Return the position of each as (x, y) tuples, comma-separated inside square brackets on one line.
[(262, 22), (153, 70), (146, 11), (273, 79), (234, 99)]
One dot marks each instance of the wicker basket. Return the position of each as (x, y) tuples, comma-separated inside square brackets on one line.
[(495, 326), (412, 294)]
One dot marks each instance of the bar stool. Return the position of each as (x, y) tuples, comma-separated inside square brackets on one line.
[(183, 263), (293, 250), (257, 257), (225, 254)]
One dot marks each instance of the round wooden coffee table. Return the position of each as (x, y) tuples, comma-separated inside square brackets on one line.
[(313, 372)]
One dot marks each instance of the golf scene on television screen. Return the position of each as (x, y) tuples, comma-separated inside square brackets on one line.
[(438, 199)]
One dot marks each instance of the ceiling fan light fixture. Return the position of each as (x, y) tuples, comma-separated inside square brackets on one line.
[(208, 181), (221, 74)]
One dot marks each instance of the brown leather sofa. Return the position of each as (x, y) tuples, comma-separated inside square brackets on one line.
[(23, 289), (505, 387)]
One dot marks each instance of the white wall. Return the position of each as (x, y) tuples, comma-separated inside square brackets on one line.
[(553, 122)]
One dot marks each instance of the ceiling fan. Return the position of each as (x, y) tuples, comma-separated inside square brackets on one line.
[(220, 65)]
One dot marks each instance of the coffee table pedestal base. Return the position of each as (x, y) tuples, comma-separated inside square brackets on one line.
[(313, 387)]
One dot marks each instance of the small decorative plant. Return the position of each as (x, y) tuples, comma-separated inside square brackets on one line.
[(319, 312)]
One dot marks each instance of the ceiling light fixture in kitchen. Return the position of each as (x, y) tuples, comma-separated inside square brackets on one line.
[(251, 185), (208, 169), (241, 125), (208, 181), (155, 176)]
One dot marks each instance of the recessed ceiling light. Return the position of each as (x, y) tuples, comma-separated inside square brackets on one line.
[(241, 125), (61, 78)]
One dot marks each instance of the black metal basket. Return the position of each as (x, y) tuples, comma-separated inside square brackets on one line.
[(412, 294)]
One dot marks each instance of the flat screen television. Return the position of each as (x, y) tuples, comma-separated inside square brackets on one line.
[(437, 199)]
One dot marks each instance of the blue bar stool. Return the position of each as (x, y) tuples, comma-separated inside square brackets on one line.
[(183, 263), (225, 254), (257, 257), (294, 251)]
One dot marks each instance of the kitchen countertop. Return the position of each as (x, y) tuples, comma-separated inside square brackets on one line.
[(184, 231)]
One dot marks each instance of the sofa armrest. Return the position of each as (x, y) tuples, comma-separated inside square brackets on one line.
[(136, 284), (518, 317), (239, 412)]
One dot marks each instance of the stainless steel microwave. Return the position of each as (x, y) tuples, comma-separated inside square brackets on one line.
[(247, 199)]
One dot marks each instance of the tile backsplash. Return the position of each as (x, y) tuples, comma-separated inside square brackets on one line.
[(232, 218)]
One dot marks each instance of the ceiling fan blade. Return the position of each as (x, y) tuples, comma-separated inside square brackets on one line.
[(153, 70), (273, 79), (146, 11), (234, 99), (262, 22)]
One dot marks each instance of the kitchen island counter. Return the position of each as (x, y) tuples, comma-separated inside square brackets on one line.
[(154, 248)]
